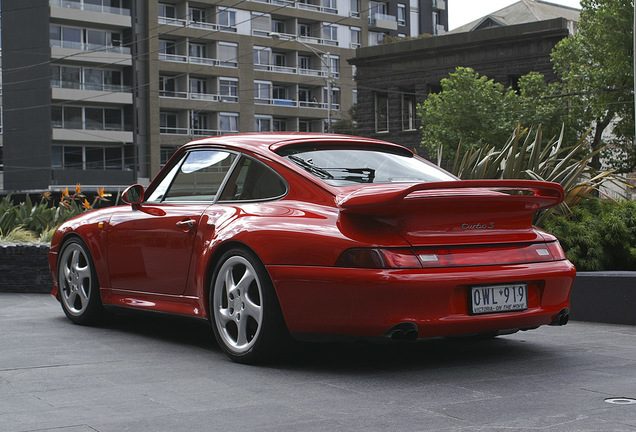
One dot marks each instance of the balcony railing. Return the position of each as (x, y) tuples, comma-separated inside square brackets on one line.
[(77, 4), (197, 96), (82, 46), (167, 130), (274, 68), (305, 6), (195, 24), (197, 60), (111, 88)]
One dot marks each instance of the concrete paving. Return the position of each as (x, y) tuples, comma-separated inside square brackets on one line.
[(161, 374)]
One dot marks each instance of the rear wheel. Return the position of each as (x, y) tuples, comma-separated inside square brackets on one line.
[(78, 287), (246, 317)]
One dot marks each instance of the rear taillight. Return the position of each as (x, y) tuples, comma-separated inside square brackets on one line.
[(460, 256)]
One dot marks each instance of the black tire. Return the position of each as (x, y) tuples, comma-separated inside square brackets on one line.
[(78, 287), (244, 310)]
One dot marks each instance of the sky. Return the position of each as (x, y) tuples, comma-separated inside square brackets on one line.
[(461, 12)]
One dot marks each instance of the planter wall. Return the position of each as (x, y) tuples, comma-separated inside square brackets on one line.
[(607, 297), (25, 268)]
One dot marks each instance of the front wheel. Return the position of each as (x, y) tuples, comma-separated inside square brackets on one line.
[(245, 313), (77, 284)]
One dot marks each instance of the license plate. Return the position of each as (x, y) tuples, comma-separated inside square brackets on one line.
[(499, 298)]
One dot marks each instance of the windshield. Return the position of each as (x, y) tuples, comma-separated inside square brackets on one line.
[(342, 167)]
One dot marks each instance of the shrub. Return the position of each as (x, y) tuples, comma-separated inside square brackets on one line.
[(599, 235)]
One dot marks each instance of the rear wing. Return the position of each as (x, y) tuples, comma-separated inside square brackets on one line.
[(387, 198)]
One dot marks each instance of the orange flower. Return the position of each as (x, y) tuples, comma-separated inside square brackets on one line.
[(78, 189), (100, 193), (65, 193), (86, 204)]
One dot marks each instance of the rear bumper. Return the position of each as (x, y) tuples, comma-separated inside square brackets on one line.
[(368, 302)]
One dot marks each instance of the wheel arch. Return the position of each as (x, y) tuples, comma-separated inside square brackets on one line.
[(213, 262)]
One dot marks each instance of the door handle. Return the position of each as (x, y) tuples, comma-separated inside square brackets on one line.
[(186, 225)]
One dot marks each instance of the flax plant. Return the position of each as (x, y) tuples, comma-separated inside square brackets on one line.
[(525, 156)]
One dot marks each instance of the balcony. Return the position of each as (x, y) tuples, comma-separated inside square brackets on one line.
[(80, 5), (167, 130), (197, 60), (170, 94), (439, 4), (382, 22), (195, 24)]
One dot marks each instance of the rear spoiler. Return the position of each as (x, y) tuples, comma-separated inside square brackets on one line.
[(383, 198)]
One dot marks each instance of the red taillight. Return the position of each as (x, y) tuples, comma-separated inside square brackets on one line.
[(460, 256), (378, 258)]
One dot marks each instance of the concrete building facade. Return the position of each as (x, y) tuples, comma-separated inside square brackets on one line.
[(101, 92)]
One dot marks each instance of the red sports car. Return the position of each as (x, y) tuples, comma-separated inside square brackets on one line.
[(272, 235)]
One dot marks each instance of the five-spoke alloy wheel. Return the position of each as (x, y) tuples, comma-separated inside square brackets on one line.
[(77, 284), (245, 313)]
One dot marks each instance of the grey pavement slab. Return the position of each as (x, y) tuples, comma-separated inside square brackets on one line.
[(147, 373)]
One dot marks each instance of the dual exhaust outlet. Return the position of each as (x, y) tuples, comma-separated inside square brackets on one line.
[(408, 331)]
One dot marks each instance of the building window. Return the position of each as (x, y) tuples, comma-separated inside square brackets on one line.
[(381, 112), (356, 37), (168, 123), (261, 24), (228, 89), (330, 34), (355, 97), (167, 47), (279, 27), (408, 111), (198, 50), (198, 86), (304, 62), (167, 86), (304, 126), (226, 19), (228, 54), (262, 123), (375, 38), (279, 125), (376, 8), (228, 122), (436, 22), (165, 154), (196, 15), (166, 11), (262, 56), (335, 65), (262, 92), (199, 124), (87, 118), (355, 8), (304, 30), (90, 158), (401, 14)]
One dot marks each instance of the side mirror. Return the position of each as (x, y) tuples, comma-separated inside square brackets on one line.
[(133, 195)]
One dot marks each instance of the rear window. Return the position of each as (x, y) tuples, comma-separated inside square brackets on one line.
[(343, 167)]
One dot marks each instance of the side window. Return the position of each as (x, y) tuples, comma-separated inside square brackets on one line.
[(198, 178), (253, 180)]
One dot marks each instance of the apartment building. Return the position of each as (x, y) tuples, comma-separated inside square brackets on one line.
[(102, 92)]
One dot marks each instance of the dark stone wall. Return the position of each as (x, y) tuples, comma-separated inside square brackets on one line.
[(417, 66), (25, 268)]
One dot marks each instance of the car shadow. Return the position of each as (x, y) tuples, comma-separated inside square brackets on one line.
[(342, 356)]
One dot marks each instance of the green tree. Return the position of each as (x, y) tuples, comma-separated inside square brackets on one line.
[(596, 66), (476, 111), (471, 109)]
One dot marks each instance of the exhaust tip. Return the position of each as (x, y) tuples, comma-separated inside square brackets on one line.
[(562, 318), (404, 331)]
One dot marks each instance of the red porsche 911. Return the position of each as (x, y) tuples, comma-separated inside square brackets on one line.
[(269, 236)]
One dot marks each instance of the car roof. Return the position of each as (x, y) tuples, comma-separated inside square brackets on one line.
[(266, 142)]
